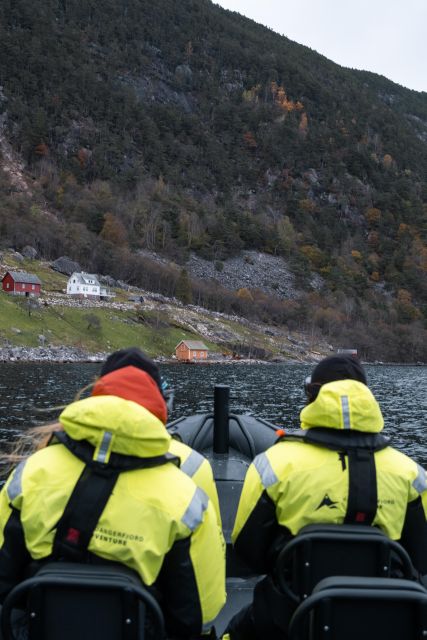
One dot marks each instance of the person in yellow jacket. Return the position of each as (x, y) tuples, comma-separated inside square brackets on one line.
[(339, 469), (131, 386), (153, 518)]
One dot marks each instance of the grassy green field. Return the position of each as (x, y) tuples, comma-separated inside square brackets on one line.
[(89, 329)]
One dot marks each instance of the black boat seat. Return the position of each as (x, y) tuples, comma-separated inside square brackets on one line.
[(319, 551), (352, 608), (68, 601)]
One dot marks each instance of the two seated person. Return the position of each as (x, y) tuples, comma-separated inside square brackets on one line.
[(109, 485)]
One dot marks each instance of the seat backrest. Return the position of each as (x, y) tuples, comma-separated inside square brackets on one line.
[(65, 601), (319, 551), (368, 608)]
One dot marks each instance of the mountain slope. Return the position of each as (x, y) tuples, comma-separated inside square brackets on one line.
[(179, 127)]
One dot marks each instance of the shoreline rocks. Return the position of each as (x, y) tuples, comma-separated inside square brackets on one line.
[(76, 355), (49, 354)]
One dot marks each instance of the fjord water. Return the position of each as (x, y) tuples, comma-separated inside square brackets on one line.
[(29, 394)]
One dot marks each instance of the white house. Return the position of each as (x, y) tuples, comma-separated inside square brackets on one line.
[(84, 285)]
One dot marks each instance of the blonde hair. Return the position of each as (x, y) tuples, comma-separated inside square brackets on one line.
[(35, 438), (29, 442)]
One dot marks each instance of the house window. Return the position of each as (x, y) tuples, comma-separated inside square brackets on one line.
[(22, 286), (33, 286), (194, 354), (93, 288), (8, 285)]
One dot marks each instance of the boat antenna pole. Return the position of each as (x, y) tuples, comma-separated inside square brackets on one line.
[(221, 416)]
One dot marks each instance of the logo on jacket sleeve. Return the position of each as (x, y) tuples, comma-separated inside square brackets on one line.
[(327, 502)]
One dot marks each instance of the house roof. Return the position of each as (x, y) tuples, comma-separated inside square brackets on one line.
[(84, 278), (193, 344), (22, 276)]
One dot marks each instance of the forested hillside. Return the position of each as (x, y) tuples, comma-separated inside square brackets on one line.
[(178, 127)]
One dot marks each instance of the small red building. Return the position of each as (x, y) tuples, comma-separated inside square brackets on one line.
[(191, 351), (19, 283)]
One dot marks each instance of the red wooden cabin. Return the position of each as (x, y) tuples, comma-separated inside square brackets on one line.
[(19, 283)]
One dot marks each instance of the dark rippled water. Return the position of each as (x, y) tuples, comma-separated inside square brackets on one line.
[(272, 391)]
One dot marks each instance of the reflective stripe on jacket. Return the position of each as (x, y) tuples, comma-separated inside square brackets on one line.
[(156, 521), (198, 468), (294, 484)]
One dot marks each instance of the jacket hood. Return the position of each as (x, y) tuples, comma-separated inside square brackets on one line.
[(113, 424), (343, 404), (131, 383)]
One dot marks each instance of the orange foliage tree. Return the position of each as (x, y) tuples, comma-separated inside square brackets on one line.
[(245, 294), (250, 141), (303, 125), (113, 230), (373, 216)]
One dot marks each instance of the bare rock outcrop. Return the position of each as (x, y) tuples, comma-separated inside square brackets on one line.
[(251, 269), (65, 265)]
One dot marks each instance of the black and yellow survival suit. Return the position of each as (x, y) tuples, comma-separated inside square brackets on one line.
[(156, 521), (131, 383), (306, 480)]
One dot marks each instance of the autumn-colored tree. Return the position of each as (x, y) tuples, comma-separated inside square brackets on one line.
[(250, 141), (374, 259), (245, 294), (307, 205), (403, 230), (329, 319), (404, 296), (303, 125), (83, 156), (314, 254), (373, 216), (160, 185), (388, 161), (407, 312), (252, 94), (280, 98), (113, 230), (373, 239), (41, 150), (286, 233), (273, 89)]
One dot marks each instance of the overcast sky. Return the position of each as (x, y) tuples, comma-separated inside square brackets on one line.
[(388, 37)]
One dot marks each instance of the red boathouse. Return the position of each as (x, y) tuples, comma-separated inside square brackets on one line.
[(19, 283)]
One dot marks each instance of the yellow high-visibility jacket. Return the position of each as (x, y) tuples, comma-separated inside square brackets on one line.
[(156, 521), (198, 468), (131, 383), (294, 483)]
